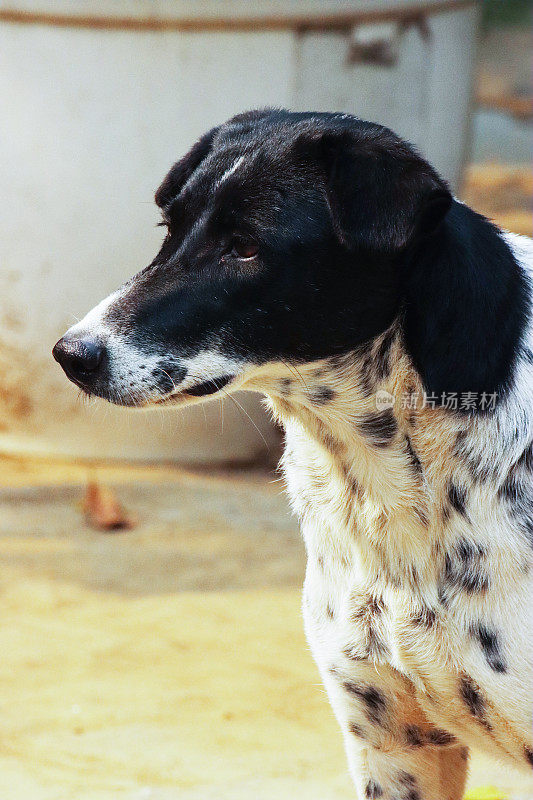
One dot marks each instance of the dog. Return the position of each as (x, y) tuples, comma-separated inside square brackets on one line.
[(320, 260)]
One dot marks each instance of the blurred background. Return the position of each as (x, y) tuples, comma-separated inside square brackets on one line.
[(150, 569)]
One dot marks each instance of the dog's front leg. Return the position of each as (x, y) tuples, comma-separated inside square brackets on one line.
[(394, 752)]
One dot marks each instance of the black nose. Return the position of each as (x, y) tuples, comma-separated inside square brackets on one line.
[(80, 358)]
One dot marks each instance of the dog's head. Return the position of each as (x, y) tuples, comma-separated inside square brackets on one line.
[(283, 237)]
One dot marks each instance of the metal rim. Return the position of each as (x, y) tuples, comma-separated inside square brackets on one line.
[(336, 20)]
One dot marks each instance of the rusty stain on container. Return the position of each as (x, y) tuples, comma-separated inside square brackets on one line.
[(335, 21)]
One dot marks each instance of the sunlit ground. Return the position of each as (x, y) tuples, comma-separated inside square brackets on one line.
[(168, 661)]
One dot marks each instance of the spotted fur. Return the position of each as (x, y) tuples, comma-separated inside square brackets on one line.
[(442, 595)]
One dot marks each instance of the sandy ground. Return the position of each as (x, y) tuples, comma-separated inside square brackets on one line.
[(168, 661), (503, 193)]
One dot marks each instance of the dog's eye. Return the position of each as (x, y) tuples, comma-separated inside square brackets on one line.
[(244, 248)]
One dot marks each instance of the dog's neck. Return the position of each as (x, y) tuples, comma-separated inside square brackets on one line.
[(364, 454)]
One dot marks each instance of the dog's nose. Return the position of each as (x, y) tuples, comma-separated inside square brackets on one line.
[(79, 357)]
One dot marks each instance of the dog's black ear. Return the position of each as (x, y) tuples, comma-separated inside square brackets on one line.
[(381, 193), (182, 170)]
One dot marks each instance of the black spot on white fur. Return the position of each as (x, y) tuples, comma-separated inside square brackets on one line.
[(457, 496), (425, 618), (474, 701), (356, 730), (517, 492), (409, 785), (440, 738), (322, 395), (465, 570), (370, 646), (489, 642), (414, 736), (373, 700), (379, 428), (373, 790)]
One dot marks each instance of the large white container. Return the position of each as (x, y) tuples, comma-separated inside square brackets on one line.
[(99, 98)]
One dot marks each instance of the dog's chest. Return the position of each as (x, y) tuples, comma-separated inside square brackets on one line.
[(388, 575), (377, 539), (360, 584), (411, 545)]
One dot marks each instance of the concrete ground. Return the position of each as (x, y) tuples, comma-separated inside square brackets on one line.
[(167, 662)]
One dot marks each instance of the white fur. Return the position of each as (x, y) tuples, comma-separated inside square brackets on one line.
[(234, 167), (92, 322)]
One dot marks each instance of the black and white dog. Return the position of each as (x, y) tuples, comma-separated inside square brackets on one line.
[(320, 260)]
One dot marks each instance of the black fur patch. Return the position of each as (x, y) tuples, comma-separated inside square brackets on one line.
[(209, 387), (489, 642), (373, 790), (517, 491), (440, 738), (474, 701), (414, 736), (511, 489), (457, 496), (374, 701), (413, 458), (469, 551), (425, 618), (356, 730), (370, 645), (379, 428), (528, 752), (367, 372), (410, 783), (322, 395), (464, 570), (167, 376), (466, 259), (435, 737)]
